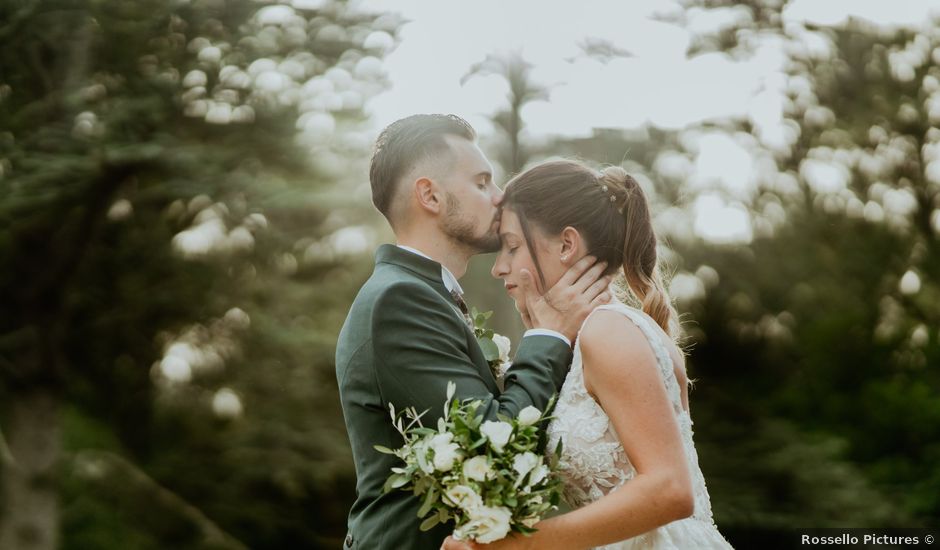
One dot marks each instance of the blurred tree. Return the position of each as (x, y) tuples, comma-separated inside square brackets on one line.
[(517, 72), (822, 318), (161, 162)]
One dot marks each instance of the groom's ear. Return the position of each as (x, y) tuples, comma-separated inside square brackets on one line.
[(571, 245), (428, 195)]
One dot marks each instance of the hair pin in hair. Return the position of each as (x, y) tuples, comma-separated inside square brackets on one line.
[(611, 195)]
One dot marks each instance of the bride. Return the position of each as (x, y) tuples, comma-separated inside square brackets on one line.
[(628, 460)]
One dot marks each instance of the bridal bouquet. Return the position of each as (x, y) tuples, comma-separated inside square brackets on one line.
[(486, 476)]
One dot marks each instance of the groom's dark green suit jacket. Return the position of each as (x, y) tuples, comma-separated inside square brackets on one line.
[(403, 340)]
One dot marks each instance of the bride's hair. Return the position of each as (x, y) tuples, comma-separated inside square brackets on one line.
[(610, 211)]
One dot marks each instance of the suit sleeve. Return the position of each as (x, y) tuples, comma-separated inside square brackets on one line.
[(420, 345)]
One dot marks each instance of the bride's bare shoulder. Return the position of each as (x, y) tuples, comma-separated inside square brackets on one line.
[(610, 339)]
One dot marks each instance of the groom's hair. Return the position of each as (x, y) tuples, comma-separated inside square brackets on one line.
[(402, 145)]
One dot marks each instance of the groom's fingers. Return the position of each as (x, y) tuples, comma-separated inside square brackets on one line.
[(590, 277), (601, 299), (529, 291), (575, 272), (599, 287), (529, 296)]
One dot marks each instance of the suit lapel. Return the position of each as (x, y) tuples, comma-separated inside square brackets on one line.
[(430, 272), (426, 269)]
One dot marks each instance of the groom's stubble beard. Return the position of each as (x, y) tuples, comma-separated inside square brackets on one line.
[(460, 229)]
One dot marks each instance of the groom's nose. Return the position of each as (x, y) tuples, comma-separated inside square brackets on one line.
[(497, 196)]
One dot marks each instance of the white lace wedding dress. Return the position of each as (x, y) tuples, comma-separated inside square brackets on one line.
[(593, 462)]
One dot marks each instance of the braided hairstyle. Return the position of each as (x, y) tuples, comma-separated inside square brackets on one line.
[(610, 211)]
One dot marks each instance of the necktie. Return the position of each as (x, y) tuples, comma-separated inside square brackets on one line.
[(458, 297)]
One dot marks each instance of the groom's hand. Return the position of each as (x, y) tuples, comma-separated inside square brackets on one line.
[(565, 306)]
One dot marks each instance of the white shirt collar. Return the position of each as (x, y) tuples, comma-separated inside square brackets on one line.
[(450, 282)]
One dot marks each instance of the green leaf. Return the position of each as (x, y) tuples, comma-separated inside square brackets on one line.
[(383, 449), (394, 482), (429, 523), (428, 502), (490, 351)]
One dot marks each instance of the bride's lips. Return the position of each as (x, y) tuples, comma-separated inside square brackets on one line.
[(509, 287)]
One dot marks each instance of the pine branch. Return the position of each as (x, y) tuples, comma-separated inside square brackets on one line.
[(145, 499), (18, 18)]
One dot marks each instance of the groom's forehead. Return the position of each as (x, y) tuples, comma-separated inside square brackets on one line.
[(468, 156)]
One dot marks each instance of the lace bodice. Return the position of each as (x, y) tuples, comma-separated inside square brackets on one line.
[(593, 461)]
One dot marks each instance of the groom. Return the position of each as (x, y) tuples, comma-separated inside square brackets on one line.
[(407, 333)]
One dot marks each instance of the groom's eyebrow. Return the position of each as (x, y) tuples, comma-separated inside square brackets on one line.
[(486, 175)]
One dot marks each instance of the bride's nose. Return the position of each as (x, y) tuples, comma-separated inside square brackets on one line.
[(500, 267)]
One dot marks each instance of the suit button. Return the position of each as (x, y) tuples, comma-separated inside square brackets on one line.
[(349, 540)]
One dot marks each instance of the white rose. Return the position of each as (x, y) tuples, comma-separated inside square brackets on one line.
[(525, 462), (540, 473), (464, 497), (445, 452), (488, 524), (529, 415), (503, 345), (498, 433), (441, 439), (477, 468)]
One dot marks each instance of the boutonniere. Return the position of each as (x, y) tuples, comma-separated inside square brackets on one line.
[(495, 346)]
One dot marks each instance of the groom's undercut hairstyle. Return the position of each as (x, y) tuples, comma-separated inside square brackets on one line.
[(405, 143)]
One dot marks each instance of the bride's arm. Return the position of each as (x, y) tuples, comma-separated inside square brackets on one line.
[(620, 370)]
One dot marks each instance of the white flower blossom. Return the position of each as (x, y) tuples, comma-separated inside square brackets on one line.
[(477, 468), (529, 415), (487, 524), (421, 454), (498, 433), (525, 462), (445, 451), (503, 345), (464, 497), (539, 474)]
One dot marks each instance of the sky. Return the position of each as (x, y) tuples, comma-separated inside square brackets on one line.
[(656, 84)]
